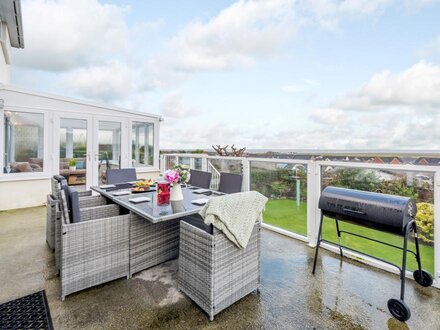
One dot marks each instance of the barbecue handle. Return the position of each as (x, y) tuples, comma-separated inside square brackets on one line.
[(354, 211)]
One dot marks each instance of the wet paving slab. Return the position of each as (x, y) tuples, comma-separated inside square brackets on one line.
[(347, 295)]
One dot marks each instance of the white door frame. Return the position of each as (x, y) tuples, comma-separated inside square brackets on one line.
[(56, 143), (95, 148)]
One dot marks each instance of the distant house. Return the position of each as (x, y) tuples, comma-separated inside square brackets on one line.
[(377, 160), (428, 161)]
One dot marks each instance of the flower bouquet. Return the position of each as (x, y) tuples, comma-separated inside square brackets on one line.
[(176, 176)]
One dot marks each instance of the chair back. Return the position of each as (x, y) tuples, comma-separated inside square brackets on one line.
[(200, 179), (70, 205), (230, 183), (64, 207), (56, 182), (121, 175)]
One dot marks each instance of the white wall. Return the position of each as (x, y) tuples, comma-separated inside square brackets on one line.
[(5, 74), (24, 193)]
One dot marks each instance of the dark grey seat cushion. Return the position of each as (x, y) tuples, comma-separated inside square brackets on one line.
[(200, 179), (74, 205), (121, 175), (59, 178), (230, 183), (72, 199), (197, 221)]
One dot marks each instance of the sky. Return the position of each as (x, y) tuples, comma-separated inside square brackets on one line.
[(261, 74)]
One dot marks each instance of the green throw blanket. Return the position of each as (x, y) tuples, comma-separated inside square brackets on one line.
[(235, 215)]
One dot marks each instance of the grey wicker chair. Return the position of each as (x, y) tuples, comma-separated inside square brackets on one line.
[(200, 179), (53, 209), (230, 183), (152, 244), (214, 272), (52, 214), (95, 250), (53, 223)]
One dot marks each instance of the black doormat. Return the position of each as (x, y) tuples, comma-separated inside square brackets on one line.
[(29, 312)]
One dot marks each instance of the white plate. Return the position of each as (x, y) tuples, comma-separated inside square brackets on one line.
[(139, 200), (121, 193), (200, 191), (201, 201), (106, 186)]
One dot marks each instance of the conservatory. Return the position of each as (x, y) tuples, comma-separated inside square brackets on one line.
[(43, 135)]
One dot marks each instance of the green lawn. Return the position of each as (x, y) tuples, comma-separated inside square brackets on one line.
[(287, 215)]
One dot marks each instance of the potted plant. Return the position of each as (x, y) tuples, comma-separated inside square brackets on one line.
[(72, 164), (176, 177)]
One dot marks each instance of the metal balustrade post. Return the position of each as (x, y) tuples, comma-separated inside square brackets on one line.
[(246, 168), (313, 192), (204, 164), (163, 164)]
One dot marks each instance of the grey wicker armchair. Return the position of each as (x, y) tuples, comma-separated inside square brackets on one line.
[(86, 200), (214, 272), (53, 223), (95, 250)]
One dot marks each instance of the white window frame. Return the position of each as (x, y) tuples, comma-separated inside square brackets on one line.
[(47, 164), (155, 166), (95, 144)]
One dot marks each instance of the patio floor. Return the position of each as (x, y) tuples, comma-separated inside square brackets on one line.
[(340, 296)]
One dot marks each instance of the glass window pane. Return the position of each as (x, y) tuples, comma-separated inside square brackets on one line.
[(286, 187), (225, 165), (24, 142), (73, 150), (109, 147), (419, 186), (185, 161), (198, 164), (142, 146)]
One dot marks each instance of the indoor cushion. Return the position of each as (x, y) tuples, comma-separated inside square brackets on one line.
[(21, 167), (80, 164)]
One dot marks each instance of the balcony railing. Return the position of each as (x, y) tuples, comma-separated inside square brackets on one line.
[(294, 186)]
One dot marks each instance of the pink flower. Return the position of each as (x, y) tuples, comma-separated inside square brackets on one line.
[(172, 176)]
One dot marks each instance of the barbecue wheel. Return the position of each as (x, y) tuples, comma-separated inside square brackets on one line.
[(399, 309), (423, 278)]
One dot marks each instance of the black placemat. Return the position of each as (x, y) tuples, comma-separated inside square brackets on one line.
[(28, 312)]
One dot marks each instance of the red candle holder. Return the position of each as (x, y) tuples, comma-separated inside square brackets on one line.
[(163, 193)]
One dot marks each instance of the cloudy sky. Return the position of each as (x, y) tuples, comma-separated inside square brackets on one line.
[(263, 74)]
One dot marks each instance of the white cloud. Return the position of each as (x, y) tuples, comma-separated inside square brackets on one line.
[(238, 35), (329, 13), (392, 110), (299, 88), (110, 81), (329, 116), (174, 106), (417, 86), (67, 34)]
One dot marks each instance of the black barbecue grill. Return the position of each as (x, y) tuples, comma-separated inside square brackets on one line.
[(388, 213)]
